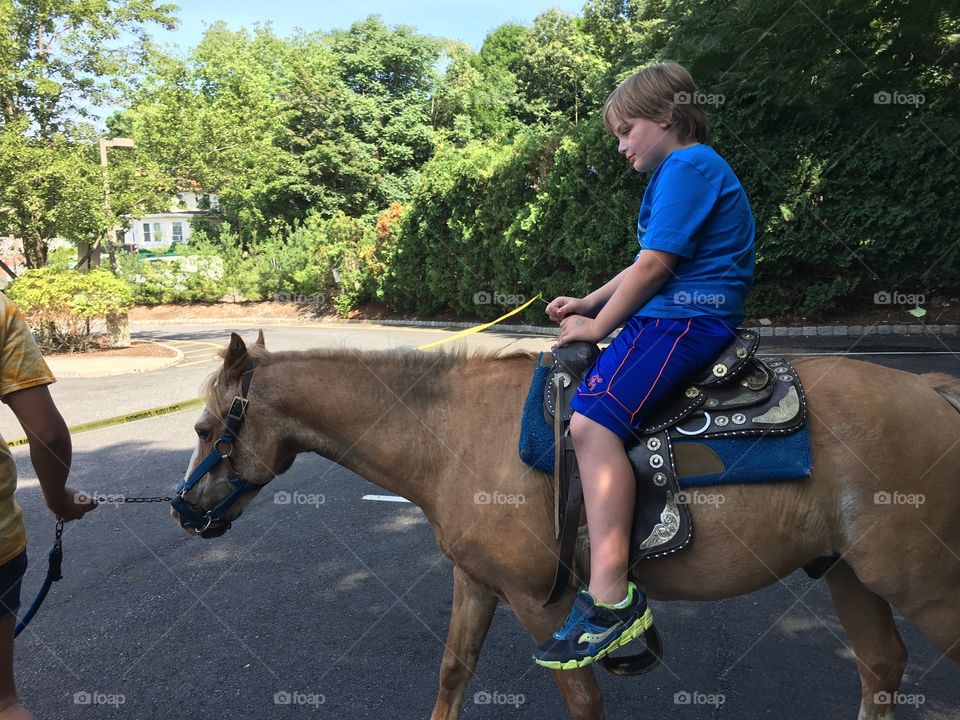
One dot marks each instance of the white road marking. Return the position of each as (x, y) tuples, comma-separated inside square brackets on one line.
[(893, 352), (385, 498)]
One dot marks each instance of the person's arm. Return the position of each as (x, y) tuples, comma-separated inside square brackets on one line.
[(596, 300), (637, 284), (50, 450)]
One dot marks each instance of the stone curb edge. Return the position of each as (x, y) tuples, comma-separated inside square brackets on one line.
[(66, 372), (765, 330)]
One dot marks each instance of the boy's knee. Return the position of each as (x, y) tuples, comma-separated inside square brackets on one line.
[(580, 426), (584, 430)]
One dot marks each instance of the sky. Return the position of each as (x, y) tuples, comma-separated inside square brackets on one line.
[(467, 20)]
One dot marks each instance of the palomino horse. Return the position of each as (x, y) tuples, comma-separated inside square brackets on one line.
[(437, 428)]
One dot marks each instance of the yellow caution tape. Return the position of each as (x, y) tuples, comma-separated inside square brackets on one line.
[(481, 328), (121, 419)]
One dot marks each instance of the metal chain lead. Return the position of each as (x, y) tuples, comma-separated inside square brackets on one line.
[(124, 499)]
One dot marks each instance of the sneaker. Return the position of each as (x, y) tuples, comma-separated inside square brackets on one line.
[(594, 630)]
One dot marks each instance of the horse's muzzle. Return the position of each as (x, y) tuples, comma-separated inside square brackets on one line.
[(214, 531), (202, 525)]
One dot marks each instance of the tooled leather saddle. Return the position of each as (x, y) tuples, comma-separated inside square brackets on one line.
[(739, 395)]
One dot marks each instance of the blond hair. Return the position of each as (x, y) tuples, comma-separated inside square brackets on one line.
[(664, 92)]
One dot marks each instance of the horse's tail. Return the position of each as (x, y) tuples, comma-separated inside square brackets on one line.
[(947, 385)]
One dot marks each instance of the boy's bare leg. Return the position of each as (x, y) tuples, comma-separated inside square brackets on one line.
[(609, 491), (10, 707)]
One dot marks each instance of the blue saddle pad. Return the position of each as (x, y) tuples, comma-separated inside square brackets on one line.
[(747, 460), (536, 437)]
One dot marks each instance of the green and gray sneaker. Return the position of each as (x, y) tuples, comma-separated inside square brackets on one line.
[(594, 630)]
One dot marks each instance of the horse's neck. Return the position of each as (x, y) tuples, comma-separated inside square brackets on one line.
[(404, 429)]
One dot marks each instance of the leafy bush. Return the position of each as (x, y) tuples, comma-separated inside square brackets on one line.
[(552, 212), (197, 277), (331, 261), (59, 304)]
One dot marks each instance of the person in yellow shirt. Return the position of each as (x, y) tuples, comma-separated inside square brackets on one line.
[(24, 377)]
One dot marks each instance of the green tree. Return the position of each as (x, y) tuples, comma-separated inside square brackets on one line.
[(394, 69), (334, 165), (282, 128), (478, 96), (59, 60), (48, 189), (559, 68)]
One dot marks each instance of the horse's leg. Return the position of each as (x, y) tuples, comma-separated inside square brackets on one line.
[(881, 655), (579, 687), (473, 608)]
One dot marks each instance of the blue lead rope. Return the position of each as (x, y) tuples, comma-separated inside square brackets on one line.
[(53, 574)]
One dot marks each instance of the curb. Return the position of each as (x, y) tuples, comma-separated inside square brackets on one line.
[(765, 330), (175, 360), (856, 330), (105, 371)]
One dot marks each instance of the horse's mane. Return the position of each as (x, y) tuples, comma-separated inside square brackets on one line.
[(403, 359), (401, 362)]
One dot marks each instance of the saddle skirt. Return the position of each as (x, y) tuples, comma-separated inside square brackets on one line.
[(742, 421)]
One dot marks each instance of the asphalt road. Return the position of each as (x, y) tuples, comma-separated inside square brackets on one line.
[(341, 607)]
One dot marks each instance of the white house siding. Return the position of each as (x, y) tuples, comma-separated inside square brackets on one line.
[(161, 230)]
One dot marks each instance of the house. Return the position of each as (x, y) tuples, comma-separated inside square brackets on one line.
[(161, 230)]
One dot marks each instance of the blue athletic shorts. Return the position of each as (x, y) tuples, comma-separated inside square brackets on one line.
[(644, 363), (11, 575)]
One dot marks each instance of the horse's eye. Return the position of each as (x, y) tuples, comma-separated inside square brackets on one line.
[(203, 434)]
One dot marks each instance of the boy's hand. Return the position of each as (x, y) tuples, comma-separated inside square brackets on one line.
[(578, 327), (563, 306), (70, 504)]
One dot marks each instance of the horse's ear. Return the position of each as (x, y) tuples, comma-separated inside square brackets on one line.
[(260, 340), (235, 359)]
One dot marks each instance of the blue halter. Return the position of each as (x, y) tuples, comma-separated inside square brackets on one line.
[(213, 522)]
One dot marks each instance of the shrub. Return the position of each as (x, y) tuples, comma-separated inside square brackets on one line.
[(335, 260), (198, 277), (59, 304)]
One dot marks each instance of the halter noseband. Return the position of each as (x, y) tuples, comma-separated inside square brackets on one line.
[(214, 522)]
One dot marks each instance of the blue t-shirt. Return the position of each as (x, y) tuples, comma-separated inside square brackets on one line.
[(696, 208)]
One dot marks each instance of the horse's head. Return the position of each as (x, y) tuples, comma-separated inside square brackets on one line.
[(240, 444)]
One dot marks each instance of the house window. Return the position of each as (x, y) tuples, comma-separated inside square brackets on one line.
[(178, 232), (146, 232), (157, 232)]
